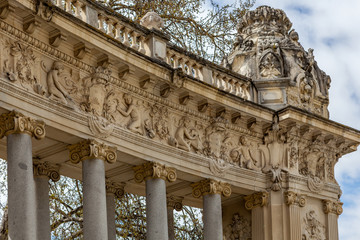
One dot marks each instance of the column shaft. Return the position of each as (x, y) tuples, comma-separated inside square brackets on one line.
[(170, 215), (156, 213), (43, 212), (212, 217), (21, 188), (110, 206), (95, 214)]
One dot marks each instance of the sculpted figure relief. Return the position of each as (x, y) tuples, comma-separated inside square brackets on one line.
[(249, 155), (135, 121), (314, 229), (239, 229), (186, 137), (55, 89)]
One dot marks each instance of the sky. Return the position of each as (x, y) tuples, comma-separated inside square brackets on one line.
[(331, 28)]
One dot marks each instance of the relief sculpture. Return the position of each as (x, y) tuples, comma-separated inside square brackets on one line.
[(314, 229), (239, 229), (186, 137)]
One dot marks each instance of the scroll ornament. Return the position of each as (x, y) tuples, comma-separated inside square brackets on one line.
[(174, 202), (254, 200), (294, 198), (151, 170), (210, 186), (16, 122), (114, 188), (332, 207), (46, 169), (91, 149)]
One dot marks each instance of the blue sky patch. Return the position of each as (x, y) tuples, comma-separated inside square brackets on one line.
[(303, 10)]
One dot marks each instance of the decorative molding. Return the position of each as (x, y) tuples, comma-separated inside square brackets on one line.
[(6, 7), (55, 37), (332, 207), (80, 50), (46, 169), (91, 149), (151, 170), (258, 199), (293, 198), (210, 186), (115, 188), (174, 202), (238, 229), (15, 122), (30, 23)]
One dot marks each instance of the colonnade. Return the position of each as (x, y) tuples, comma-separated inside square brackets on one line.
[(28, 190)]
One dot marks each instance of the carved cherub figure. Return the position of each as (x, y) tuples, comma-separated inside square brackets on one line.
[(135, 122), (55, 89), (185, 136)]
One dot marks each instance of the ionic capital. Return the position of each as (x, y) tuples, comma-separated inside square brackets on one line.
[(15, 122), (154, 170), (210, 186), (114, 188), (294, 198), (174, 202), (254, 200), (46, 169), (91, 149), (332, 207)]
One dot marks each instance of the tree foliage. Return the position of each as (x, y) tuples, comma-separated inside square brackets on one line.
[(203, 27)]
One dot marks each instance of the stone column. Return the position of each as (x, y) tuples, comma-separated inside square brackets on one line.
[(43, 171), (93, 154), (295, 202), (332, 211), (173, 202), (113, 191), (256, 203), (21, 185), (211, 190), (155, 175)]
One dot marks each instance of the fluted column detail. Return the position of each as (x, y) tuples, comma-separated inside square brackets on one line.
[(332, 209), (93, 155), (113, 191), (155, 175), (19, 130), (211, 191), (295, 202), (256, 203)]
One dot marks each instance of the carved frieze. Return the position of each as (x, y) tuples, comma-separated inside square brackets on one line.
[(239, 229), (151, 170), (16, 122), (293, 198), (114, 188), (174, 202), (210, 186), (258, 199), (91, 149), (334, 207), (46, 169)]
